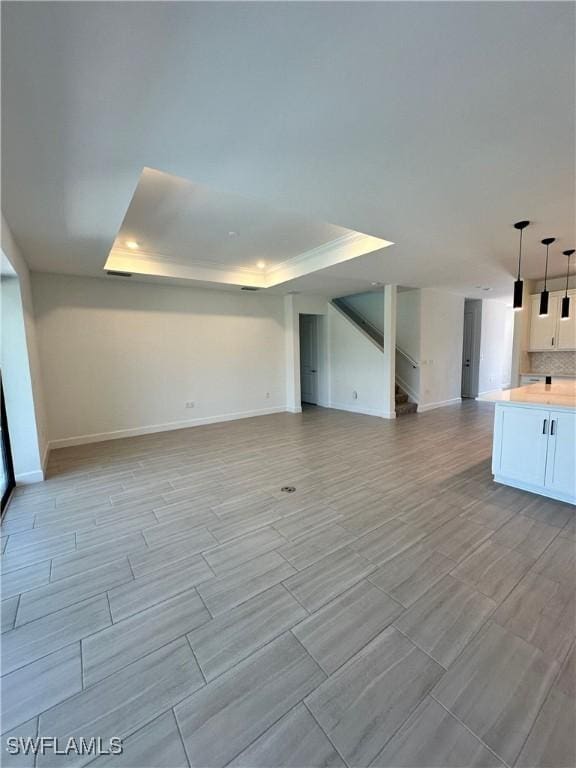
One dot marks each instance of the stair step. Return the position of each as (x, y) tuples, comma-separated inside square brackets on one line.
[(404, 408), (401, 397)]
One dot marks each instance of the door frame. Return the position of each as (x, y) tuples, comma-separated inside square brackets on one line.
[(315, 318), (7, 453), (474, 308)]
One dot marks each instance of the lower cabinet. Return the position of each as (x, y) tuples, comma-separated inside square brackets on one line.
[(561, 460), (534, 448)]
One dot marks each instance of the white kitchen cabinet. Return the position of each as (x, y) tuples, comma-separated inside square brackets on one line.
[(522, 444), (561, 460), (543, 329), (551, 332), (534, 449), (566, 331)]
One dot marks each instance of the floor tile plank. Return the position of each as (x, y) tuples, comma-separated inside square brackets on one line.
[(433, 738), (234, 635), (360, 718), (40, 685), (296, 740), (116, 646), (344, 626), (36, 639), (246, 701), (496, 688), (125, 702), (328, 578)]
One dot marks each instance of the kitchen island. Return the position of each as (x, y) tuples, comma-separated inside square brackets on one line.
[(534, 444)]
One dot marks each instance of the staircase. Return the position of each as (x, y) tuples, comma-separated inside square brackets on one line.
[(403, 405)]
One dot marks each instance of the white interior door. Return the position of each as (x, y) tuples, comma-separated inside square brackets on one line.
[(309, 359), (523, 440), (468, 355), (561, 463)]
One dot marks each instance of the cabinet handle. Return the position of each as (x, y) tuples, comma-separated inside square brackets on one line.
[(545, 427), (553, 427)]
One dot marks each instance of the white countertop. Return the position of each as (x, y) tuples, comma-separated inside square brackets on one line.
[(559, 394), (554, 375)]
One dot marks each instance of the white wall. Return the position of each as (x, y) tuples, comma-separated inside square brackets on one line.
[(21, 368), (495, 346), (408, 339), (441, 332), (123, 357), (370, 305), (408, 322), (356, 365)]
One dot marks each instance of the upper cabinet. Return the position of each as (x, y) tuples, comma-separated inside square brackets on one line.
[(551, 332), (567, 328)]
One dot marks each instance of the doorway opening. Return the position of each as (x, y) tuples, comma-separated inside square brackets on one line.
[(7, 480), (471, 347), (309, 359)]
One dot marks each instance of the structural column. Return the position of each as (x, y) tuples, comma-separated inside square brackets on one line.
[(389, 409), (292, 342)]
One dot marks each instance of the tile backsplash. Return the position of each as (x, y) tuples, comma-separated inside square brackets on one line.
[(552, 362)]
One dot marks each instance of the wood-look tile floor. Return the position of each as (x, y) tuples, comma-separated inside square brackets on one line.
[(399, 609)]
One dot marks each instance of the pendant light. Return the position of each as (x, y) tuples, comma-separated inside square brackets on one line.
[(545, 294), (566, 299), (518, 284)]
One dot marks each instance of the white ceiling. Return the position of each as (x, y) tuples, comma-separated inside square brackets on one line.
[(433, 125), (174, 228)]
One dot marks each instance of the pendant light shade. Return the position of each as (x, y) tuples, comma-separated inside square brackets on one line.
[(565, 314), (518, 283), (544, 296)]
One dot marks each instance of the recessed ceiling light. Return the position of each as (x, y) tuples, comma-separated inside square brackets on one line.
[(483, 288), (376, 283), (232, 233), (132, 244), (261, 264)]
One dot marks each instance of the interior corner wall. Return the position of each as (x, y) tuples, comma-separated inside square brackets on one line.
[(122, 358), (408, 322), (441, 337), (25, 392), (495, 346), (356, 368)]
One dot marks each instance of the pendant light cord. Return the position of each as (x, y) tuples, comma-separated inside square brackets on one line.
[(546, 267), (520, 254), (567, 275)]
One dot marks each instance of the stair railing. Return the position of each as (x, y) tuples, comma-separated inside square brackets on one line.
[(413, 363), (370, 330)]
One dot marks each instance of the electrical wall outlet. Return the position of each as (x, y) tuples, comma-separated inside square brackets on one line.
[(267, 395), (190, 404), (354, 395)]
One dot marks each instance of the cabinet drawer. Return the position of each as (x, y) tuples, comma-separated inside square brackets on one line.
[(531, 379)]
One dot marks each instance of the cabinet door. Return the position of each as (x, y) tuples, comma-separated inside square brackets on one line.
[(561, 463), (543, 329), (520, 441), (567, 328)]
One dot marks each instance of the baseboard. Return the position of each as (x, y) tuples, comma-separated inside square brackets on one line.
[(119, 434), (439, 404), (27, 478), (293, 410), (360, 409), (547, 492)]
